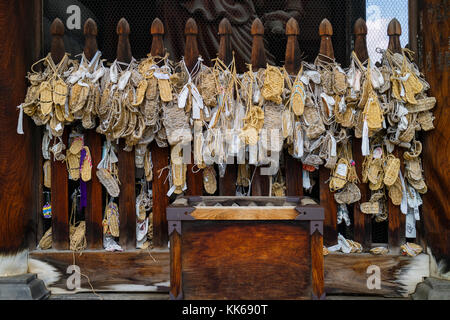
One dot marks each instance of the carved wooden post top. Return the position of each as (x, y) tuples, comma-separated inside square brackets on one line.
[(90, 35), (225, 51), (57, 48), (360, 32), (123, 45), (292, 58), (191, 52), (394, 32), (326, 46), (157, 31), (259, 59)]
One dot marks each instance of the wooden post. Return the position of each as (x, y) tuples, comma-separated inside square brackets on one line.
[(227, 184), (127, 197), (35, 10), (59, 175), (260, 184), (362, 222), (397, 220), (317, 266), (21, 155), (434, 227), (160, 159), (293, 167), (194, 180), (326, 197), (176, 291), (93, 211)]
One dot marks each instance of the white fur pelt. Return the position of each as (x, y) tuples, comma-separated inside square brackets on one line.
[(14, 264), (44, 271), (437, 268)]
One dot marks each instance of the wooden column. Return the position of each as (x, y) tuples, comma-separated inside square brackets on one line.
[(175, 291), (93, 211), (326, 196), (397, 220), (227, 184), (435, 30), (194, 180), (59, 174), (293, 167), (127, 197), (260, 184), (362, 222), (160, 159), (317, 266), (20, 155)]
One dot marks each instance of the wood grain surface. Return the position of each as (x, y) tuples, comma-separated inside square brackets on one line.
[(436, 148), (17, 171), (246, 260)]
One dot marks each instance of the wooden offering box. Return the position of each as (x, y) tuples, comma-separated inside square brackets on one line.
[(230, 248)]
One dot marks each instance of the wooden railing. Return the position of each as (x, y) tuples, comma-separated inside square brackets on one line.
[(160, 156)]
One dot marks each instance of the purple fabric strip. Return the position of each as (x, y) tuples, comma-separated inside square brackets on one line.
[(83, 191)]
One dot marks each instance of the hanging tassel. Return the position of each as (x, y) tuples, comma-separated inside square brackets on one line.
[(20, 120), (83, 190), (306, 180), (365, 146), (404, 204)]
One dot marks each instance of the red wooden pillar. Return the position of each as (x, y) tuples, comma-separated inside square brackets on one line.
[(160, 159), (362, 222), (326, 196), (194, 180), (260, 184), (127, 197), (397, 220), (293, 167), (59, 174), (93, 211), (227, 184)]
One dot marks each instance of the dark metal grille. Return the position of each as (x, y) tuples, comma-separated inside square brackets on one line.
[(274, 14)]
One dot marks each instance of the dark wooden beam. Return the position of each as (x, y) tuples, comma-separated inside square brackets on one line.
[(435, 155), (160, 159), (293, 167), (93, 211), (60, 188), (260, 184), (326, 196), (227, 184), (194, 180), (20, 164), (362, 223), (127, 197), (397, 220)]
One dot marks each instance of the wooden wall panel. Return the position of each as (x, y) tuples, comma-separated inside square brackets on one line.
[(18, 21), (436, 148), (240, 265)]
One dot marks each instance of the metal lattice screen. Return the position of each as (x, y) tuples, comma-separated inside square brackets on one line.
[(208, 14)]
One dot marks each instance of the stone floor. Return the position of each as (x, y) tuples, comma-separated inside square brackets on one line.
[(111, 296), (163, 296)]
